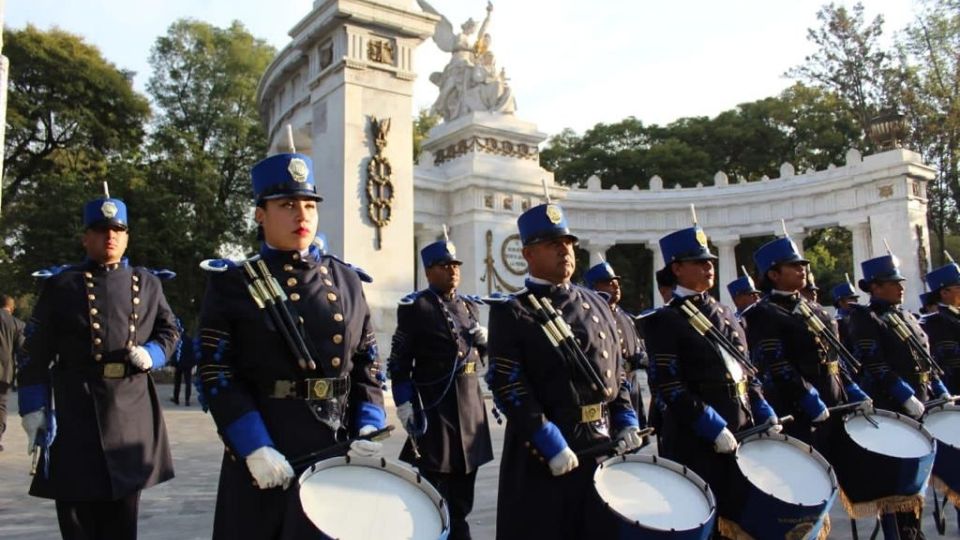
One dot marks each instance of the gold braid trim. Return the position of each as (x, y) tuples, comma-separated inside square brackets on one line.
[(942, 487), (885, 505), (729, 529)]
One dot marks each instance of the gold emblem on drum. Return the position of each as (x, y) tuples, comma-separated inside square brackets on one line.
[(320, 389), (554, 214), (801, 531)]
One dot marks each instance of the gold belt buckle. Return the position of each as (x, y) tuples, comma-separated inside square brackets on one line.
[(923, 377), (741, 389), (470, 367), (833, 368), (283, 389), (114, 370), (591, 413), (319, 388)]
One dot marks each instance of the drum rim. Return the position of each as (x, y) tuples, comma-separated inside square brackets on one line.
[(396, 468), (944, 408), (806, 448), (897, 416), (673, 466)]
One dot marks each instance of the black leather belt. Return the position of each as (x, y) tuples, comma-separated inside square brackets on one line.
[(584, 414), (723, 390), (309, 389)]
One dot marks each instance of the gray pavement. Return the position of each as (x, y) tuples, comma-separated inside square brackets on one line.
[(182, 509)]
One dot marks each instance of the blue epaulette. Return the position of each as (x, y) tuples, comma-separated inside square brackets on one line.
[(410, 298), (644, 314), (218, 265), (476, 299), (748, 308), (364, 276), (163, 273), (500, 298), (49, 272)]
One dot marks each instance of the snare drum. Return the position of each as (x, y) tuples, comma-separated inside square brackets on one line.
[(883, 468), (789, 490), (650, 497), (339, 496), (944, 424)]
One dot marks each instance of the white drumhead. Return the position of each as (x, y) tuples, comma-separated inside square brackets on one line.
[(784, 470), (894, 437), (653, 495), (353, 502), (944, 425)]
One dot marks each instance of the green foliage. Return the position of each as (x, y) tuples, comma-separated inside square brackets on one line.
[(422, 124)]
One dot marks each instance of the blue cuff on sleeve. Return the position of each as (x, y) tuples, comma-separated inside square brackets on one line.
[(370, 414), (548, 440), (710, 424), (156, 354), (248, 433), (938, 388), (402, 392), (624, 418), (855, 393), (762, 411), (901, 391), (811, 404), (32, 398)]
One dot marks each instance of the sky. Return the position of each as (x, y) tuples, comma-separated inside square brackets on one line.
[(570, 63)]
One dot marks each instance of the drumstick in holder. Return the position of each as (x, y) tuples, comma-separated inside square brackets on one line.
[(939, 401), (847, 407), (339, 448), (611, 447), (749, 432)]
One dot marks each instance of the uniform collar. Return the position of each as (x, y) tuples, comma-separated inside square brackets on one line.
[(788, 294), (269, 253), (682, 292), (448, 296), (90, 264), (542, 285), (882, 305)]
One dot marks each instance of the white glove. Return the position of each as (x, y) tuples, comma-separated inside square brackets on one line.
[(364, 448), (913, 407), (405, 413), (725, 443), (140, 358), (269, 468), (480, 334), (822, 417), (866, 406), (775, 429), (563, 462), (629, 439), (32, 422)]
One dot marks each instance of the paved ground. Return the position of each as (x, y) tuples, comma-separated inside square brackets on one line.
[(182, 509)]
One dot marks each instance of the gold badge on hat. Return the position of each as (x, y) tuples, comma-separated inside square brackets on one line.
[(298, 170), (554, 214), (109, 209), (701, 237), (451, 249)]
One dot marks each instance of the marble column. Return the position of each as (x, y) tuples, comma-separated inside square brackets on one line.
[(860, 233), (657, 264), (727, 271)]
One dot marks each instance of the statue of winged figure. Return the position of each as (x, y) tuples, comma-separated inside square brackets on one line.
[(470, 81)]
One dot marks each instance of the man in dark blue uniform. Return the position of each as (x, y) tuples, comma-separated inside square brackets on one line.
[(437, 349), (704, 391), (744, 294), (11, 341), (943, 327), (801, 372), (602, 278), (96, 331), (270, 403), (560, 396), (844, 296), (893, 371), (810, 291), (184, 360)]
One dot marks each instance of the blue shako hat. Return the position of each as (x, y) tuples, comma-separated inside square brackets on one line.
[(543, 222), (688, 244), (105, 212), (284, 175), (779, 251), (944, 276), (599, 272), (843, 291), (928, 298), (440, 252), (883, 268), (741, 285)]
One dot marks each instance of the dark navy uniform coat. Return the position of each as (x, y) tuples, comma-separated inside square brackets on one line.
[(243, 356), (943, 331), (541, 397), (434, 352), (111, 440), (634, 354)]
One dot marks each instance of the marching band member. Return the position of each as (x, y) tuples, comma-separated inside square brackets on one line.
[(943, 327), (95, 333), (703, 383), (844, 296), (285, 371), (436, 351), (744, 294), (556, 373)]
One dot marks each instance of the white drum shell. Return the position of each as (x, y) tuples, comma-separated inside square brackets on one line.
[(897, 436), (786, 469)]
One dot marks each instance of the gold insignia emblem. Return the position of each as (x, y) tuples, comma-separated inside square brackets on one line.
[(701, 237), (320, 389), (591, 413), (554, 214), (113, 371), (451, 249), (298, 170), (109, 209)]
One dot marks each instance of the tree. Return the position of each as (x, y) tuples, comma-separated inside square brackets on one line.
[(72, 119), (422, 124), (206, 137)]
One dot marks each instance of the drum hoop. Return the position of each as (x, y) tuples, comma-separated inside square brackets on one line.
[(670, 465), (941, 409), (808, 449), (896, 416), (399, 470)]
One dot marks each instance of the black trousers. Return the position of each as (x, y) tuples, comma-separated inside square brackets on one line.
[(182, 375), (457, 489), (114, 520), (4, 391)]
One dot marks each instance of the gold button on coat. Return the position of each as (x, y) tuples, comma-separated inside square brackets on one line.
[(291, 282), (295, 297), (288, 268), (323, 270), (338, 317), (332, 297), (136, 300), (338, 338), (93, 311), (335, 361)]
